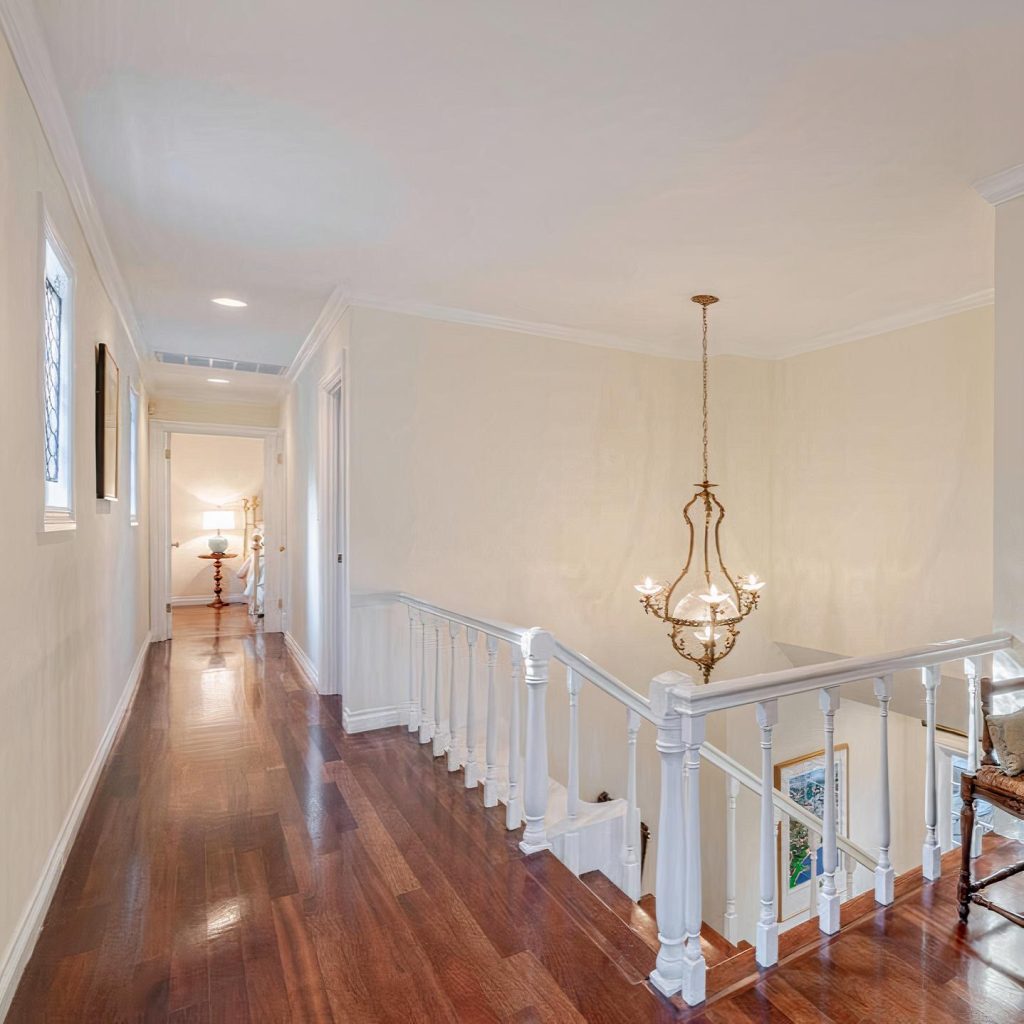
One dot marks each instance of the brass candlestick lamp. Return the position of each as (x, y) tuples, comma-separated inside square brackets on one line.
[(705, 622)]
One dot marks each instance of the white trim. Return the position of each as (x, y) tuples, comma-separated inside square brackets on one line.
[(25, 935), (334, 309), (1002, 186), (858, 332), (372, 718), (160, 537), (578, 335), (192, 602), (302, 660), (333, 515), (885, 325), (28, 47)]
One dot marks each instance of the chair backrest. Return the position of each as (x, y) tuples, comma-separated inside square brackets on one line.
[(990, 687)]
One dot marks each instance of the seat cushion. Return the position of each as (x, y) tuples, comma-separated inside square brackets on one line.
[(992, 777), (1007, 732)]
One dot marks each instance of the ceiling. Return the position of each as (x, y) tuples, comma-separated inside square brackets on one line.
[(587, 164)]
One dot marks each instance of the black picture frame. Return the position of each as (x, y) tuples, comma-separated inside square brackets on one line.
[(108, 423)]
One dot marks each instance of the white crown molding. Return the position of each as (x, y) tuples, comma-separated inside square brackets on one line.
[(1001, 187), (334, 309), (579, 335), (28, 47), (885, 325)]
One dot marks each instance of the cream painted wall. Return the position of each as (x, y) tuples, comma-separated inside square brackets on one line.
[(1009, 418), (210, 471), (74, 605), (882, 489), (532, 480)]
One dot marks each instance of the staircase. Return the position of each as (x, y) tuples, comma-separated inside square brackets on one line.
[(601, 842)]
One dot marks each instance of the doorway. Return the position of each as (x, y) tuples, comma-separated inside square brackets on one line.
[(333, 511), (217, 543)]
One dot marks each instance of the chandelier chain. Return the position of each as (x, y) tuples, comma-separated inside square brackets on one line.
[(704, 383)]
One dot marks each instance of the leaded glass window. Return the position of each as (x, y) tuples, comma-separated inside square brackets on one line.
[(57, 392), (52, 351)]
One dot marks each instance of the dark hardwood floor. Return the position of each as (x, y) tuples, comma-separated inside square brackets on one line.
[(243, 859)]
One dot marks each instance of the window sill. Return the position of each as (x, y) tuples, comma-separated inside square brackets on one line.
[(55, 521)]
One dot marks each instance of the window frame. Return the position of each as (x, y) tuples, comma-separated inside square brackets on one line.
[(58, 499), (133, 452)]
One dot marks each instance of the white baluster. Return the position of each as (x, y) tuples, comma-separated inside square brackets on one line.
[(931, 852), (426, 719), (572, 837), (973, 670), (767, 947), (538, 646), (491, 753), (885, 874), (828, 901), (631, 847), (694, 965), (472, 776), (414, 707), (813, 842), (514, 804), (440, 738), (454, 760), (730, 925), (851, 867), (670, 878)]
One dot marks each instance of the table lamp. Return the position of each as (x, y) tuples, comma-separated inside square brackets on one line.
[(218, 519)]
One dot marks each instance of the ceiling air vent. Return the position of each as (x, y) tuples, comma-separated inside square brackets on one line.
[(210, 363)]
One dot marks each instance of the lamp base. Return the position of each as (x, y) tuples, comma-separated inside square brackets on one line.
[(218, 545)]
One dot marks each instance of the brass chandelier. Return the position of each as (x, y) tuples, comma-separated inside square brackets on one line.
[(705, 622)]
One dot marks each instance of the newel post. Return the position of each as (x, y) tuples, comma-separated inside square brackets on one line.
[(680, 966), (885, 874), (538, 645), (767, 947), (669, 879)]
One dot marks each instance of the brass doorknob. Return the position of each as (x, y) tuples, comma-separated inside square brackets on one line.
[(281, 548), (176, 544)]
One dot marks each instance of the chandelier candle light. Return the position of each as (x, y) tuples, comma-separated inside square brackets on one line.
[(705, 622)]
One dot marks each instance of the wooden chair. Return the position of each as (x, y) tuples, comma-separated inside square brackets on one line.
[(1000, 789)]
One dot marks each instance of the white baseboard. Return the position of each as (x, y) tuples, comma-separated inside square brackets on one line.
[(18, 952), (371, 718), (302, 659), (188, 602)]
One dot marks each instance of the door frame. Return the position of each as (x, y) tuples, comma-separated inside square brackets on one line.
[(160, 432), (333, 513)]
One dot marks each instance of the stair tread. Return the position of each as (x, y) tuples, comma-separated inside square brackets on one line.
[(715, 946), (623, 907), (623, 945)]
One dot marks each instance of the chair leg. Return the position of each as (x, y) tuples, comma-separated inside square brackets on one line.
[(963, 891)]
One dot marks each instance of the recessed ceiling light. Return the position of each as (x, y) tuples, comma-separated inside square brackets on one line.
[(217, 380), (233, 303)]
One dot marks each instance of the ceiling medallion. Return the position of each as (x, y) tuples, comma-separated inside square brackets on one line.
[(705, 622)]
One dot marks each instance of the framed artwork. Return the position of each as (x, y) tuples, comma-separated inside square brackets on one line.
[(803, 779), (108, 411)]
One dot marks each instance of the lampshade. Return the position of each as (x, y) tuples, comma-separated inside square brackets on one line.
[(219, 519)]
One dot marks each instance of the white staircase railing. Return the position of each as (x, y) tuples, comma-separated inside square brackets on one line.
[(678, 709)]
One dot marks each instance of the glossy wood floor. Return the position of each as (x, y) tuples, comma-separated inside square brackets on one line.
[(244, 860), (198, 620)]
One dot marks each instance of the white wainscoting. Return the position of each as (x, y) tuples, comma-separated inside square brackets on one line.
[(20, 949)]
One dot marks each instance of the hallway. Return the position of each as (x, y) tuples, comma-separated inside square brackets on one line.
[(243, 859)]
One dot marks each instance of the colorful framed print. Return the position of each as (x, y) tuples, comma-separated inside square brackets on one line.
[(799, 866)]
